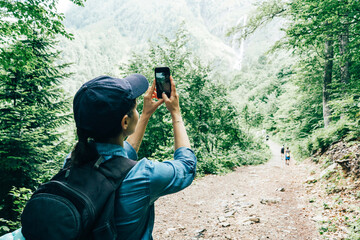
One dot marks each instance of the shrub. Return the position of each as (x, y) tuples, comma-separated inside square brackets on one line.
[(323, 138)]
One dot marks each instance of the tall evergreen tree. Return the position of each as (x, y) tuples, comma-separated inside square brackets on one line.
[(32, 104)]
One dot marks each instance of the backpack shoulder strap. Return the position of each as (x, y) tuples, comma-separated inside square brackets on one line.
[(115, 170)]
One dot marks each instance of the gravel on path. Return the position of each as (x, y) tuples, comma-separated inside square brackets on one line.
[(268, 201)]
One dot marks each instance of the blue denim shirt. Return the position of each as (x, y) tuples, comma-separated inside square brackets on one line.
[(143, 185)]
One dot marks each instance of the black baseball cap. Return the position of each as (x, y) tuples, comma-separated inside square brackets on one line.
[(101, 103)]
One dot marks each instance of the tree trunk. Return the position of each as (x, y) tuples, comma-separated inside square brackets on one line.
[(344, 67), (328, 66)]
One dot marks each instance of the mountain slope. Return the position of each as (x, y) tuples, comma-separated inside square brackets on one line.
[(106, 32)]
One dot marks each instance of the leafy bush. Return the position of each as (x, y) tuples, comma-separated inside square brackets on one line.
[(20, 197), (323, 138), (218, 162)]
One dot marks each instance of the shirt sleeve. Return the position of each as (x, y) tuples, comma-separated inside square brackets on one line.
[(172, 176), (131, 153), (16, 235)]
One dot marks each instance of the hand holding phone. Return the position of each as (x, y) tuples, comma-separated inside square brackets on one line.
[(172, 103), (181, 138), (162, 77)]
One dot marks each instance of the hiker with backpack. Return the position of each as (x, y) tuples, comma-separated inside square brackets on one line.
[(102, 192), (282, 151), (287, 156)]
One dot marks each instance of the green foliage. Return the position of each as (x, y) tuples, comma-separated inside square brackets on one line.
[(19, 18), (217, 162), (313, 21), (33, 106), (294, 108), (211, 119), (323, 138), (324, 81), (20, 196)]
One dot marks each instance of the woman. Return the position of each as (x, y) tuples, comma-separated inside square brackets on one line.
[(108, 125), (105, 110)]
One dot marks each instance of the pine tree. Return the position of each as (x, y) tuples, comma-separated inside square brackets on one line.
[(33, 106)]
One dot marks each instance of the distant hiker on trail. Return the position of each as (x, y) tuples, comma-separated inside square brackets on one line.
[(287, 156), (282, 151), (110, 131), (267, 137)]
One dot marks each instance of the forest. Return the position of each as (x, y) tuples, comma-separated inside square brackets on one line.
[(303, 90)]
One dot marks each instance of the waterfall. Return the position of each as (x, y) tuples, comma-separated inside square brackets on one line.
[(239, 52)]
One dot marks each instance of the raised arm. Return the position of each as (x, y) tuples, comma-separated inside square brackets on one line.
[(172, 104), (149, 108)]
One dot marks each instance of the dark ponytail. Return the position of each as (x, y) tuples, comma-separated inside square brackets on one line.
[(85, 149)]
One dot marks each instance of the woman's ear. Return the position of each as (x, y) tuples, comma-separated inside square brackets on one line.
[(125, 122)]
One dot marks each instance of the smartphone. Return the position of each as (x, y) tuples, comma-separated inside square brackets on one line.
[(162, 77)]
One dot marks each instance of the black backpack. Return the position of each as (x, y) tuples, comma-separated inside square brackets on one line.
[(77, 203)]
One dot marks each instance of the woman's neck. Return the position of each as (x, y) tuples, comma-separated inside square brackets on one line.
[(119, 140)]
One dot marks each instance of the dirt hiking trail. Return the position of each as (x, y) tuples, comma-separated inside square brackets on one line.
[(254, 202)]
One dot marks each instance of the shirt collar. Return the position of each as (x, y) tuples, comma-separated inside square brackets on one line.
[(108, 150)]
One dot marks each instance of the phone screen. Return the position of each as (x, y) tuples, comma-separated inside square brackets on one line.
[(162, 76)]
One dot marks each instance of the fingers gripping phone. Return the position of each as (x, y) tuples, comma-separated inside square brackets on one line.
[(162, 77)]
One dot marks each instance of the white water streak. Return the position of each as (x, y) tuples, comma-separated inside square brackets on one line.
[(239, 51)]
